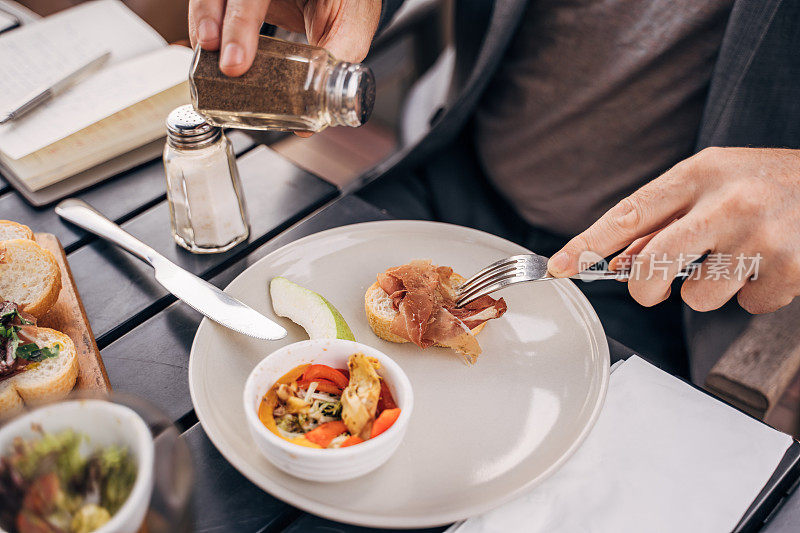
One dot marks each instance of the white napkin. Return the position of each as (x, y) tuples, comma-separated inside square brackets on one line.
[(663, 456)]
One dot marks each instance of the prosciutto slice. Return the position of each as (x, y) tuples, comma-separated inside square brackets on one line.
[(424, 297)]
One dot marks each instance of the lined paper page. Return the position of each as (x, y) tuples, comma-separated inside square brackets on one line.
[(108, 92), (37, 55)]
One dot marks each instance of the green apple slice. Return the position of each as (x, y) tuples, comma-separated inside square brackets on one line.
[(310, 310)]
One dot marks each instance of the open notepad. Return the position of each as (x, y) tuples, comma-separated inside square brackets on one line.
[(104, 124)]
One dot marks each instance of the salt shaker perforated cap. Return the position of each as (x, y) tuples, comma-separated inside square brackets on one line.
[(186, 128)]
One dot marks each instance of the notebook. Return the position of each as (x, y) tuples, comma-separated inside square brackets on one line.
[(108, 122)]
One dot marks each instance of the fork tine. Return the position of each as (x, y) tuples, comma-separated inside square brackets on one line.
[(483, 288), (488, 289), (492, 269), (489, 279), (488, 276), (497, 264)]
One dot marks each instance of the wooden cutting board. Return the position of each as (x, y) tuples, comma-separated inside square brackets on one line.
[(69, 317)]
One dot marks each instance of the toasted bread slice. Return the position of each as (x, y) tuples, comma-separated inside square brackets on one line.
[(29, 276), (381, 312), (51, 379), (14, 230)]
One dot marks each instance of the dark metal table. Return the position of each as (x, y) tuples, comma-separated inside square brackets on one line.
[(145, 335)]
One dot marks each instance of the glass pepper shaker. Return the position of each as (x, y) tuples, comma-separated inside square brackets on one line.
[(206, 207), (291, 86)]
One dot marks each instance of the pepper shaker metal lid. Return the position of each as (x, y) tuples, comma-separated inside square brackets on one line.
[(188, 129), (352, 93)]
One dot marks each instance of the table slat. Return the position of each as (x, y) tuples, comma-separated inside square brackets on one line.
[(223, 500), (618, 351), (117, 198), (787, 516), (116, 287), (151, 360)]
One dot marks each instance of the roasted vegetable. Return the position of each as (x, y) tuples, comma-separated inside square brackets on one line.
[(384, 421), (325, 433), (360, 398)]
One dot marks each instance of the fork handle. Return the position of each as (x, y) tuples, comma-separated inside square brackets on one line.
[(586, 275), (621, 275)]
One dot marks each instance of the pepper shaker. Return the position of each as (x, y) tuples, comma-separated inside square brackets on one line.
[(207, 211), (290, 86)]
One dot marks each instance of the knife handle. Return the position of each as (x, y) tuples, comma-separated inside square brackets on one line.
[(82, 214)]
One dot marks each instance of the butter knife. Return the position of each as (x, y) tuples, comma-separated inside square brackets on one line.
[(192, 290)]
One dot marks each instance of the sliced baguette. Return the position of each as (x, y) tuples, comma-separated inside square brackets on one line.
[(14, 230), (51, 379), (29, 276), (381, 312)]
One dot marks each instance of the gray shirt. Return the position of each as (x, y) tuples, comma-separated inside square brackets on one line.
[(595, 98)]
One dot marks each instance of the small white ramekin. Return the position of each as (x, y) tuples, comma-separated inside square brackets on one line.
[(105, 423), (312, 463)]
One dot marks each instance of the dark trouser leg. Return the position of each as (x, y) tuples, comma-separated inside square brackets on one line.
[(708, 335), (452, 188)]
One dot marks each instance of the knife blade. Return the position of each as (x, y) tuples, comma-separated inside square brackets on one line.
[(220, 307), (192, 290)]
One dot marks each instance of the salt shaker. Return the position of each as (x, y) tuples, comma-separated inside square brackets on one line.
[(291, 86), (206, 207)]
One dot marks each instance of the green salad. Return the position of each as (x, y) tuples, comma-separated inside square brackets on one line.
[(48, 484)]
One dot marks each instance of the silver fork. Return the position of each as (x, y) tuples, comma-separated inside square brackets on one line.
[(528, 267)]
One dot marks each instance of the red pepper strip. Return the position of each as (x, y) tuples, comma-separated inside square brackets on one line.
[(383, 422), (317, 372), (323, 385), (386, 400), (325, 433), (351, 440)]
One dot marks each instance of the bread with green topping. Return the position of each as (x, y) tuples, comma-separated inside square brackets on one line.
[(49, 379)]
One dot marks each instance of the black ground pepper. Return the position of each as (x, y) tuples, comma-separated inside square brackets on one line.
[(280, 82)]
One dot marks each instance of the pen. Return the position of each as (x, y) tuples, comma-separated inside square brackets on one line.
[(59, 86)]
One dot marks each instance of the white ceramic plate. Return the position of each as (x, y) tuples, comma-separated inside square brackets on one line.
[(479, 435)]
